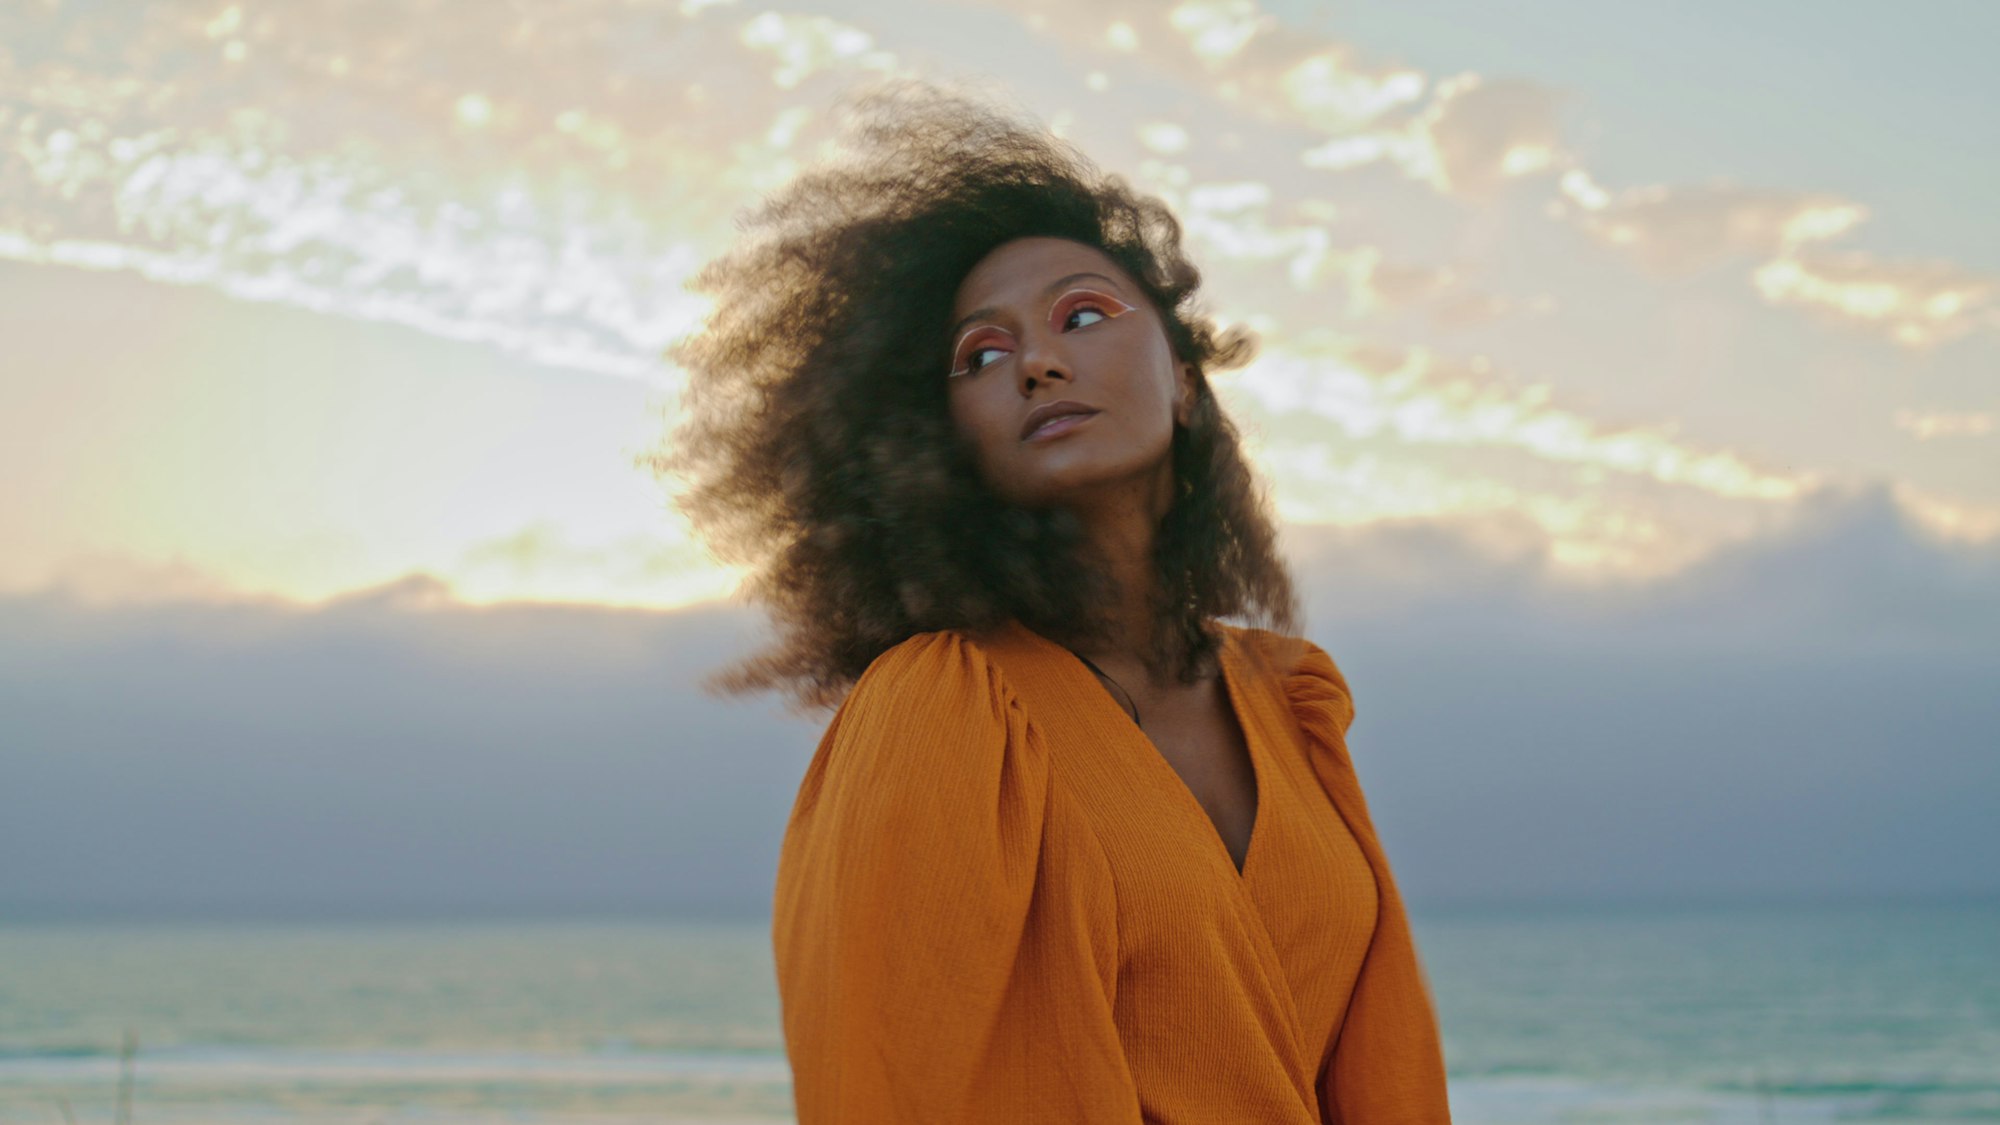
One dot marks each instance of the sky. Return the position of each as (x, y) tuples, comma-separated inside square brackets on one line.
[(1627, 391)]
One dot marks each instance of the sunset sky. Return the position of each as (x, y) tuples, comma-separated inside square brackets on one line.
[(1598, 328)]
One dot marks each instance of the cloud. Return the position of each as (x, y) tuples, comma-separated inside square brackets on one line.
[(1474, 136), (1246, 223), (1378, 286), (1799, 715), (1674, 231), (1928, 424), (1476, 133), (1680, 230), (104, 579), (1947, 518), (1163, 137), (546, 185), (389, 750), (486, 177), (1230, 222), (1853, 569), (807, 45), (1420, 398), (1217, 30), (543, 561), (1807, 713), (1479, 133), (1247, 58), (1919, 304), (1331, 90)]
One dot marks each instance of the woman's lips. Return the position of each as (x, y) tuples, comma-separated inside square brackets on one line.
[(1059, 425)]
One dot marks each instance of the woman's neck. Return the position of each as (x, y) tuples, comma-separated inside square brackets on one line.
[(1122, 530)]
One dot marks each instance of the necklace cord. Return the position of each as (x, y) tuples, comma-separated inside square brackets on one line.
[(1129, 702)]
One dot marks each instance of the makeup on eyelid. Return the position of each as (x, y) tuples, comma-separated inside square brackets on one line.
[(1108, 306)]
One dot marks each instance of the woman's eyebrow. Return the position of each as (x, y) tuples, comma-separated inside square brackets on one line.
[(1058, 283)]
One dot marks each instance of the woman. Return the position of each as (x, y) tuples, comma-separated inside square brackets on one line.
[(1072, 849)]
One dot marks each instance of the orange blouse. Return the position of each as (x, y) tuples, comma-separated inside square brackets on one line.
[(996, 902)]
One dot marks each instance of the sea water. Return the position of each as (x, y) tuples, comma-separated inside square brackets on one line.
[(1882, 1013)]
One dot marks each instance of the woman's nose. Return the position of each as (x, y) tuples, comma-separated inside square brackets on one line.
[(1040, 361)]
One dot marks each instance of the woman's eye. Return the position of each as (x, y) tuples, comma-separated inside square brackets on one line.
[(1092, 308), (977, 358), (1076, 316)]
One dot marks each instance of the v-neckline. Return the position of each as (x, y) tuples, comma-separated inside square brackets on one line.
[(1226, 668)]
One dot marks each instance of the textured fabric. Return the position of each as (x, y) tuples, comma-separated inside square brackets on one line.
[(996, 902)]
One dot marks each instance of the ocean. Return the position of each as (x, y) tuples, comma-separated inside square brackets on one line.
[(1831, 1012)]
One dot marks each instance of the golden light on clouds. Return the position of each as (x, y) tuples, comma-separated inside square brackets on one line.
[(1931, 424), (1947, 518), (807, 45), (446, 256), (1217, 30), (540, 563), (1163, 137), (1414, 400), (1918, 304), (1473, 136), (1327, 90), (1677, 230)]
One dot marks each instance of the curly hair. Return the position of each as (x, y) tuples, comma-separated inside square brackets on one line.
[(814, 439)]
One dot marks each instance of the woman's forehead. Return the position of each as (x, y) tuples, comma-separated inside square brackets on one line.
[(1019, 270)]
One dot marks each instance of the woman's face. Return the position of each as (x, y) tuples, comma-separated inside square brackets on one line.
[(1046, 321)]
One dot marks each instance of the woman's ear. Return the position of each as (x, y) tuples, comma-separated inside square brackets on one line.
[(1184, 396)]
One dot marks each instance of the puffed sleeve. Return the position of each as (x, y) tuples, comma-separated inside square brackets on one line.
[(922, 978), (1388, 1061)]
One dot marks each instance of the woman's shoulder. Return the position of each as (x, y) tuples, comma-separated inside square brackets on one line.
[(928, 730), (940, 676), (1312, 683), (938, 659)]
